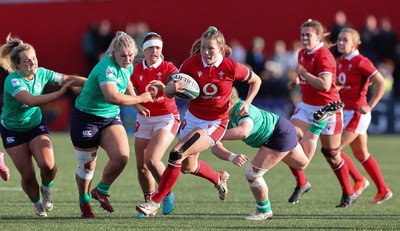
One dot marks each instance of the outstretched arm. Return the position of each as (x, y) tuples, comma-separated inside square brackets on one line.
[(224, 154)]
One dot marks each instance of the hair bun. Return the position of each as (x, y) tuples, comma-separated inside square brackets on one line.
[(212, 28)]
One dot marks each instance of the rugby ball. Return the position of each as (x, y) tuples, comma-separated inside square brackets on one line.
[(192, 89)]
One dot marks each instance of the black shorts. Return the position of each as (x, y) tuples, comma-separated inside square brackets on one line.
[(85, 130), (283, 138), (13, 138)]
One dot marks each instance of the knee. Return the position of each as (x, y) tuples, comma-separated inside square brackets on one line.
[(186, 169), (330, 153), (255, 175)]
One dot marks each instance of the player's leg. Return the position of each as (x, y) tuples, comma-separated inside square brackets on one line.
[(42, 149), (264, 160), (4, 171), (360, 150), (114, 141), (302, 184), (23, 161)]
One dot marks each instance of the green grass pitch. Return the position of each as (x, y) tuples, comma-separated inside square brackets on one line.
[(197, 203)]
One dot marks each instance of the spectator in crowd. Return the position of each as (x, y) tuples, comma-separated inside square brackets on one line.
[(340, 22), (95, 41), (238, 51), (276, 74), (387, 40), (369, 38)]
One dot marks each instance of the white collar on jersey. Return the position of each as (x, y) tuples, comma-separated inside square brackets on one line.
[(321, 44), (155, 65), (216, 64), (352, 55)]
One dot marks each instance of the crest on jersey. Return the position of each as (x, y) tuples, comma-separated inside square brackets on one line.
[(38, 87), (221, 75), (159, 74)]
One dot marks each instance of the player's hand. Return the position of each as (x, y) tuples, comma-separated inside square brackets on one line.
[(300, 70), (293, 83), (364, 109), (240, 160), (65, 86), (142, 110), (244, 108), (158, 84), (175, 86), (146, 97)]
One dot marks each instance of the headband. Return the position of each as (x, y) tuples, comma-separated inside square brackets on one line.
[(152, 43)]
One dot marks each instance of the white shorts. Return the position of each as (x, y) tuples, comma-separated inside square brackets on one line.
[(214, 129), (146, 126), (356, 122), (305, 113)]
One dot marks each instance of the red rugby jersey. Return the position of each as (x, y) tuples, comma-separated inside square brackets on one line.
[(318, 61), (140, 79), (215, 84), (354, 74)]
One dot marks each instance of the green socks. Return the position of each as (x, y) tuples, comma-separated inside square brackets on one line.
[(84, 199), (263, 207), (103, 188), (317, 127)]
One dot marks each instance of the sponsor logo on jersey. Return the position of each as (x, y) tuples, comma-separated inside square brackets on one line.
[(15, 82), (210, 89), (10, 139), (87, 133), (109, 73)]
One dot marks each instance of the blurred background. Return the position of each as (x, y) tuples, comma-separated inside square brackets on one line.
[(71, 35)]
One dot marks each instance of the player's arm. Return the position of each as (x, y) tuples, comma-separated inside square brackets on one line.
[(255, 83), (224, 154), (76, 80), (174, 86), (322, 82), (380, 86), (31, 100), (242, 131), (112, 95)]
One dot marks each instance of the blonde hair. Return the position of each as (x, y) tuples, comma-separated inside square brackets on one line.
[(212, 33), (10, 51), (319, 30), (121, 41), (234, 97), (354, 34)]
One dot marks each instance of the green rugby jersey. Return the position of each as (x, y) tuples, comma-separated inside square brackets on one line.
[(264, 123), (17, 116), (91, 100)]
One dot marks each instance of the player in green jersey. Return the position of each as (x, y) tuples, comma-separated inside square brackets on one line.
[(24, 133), (96, 121), (276, 140)]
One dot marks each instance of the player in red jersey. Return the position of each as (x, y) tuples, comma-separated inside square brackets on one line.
[(157, 122), (355, 72), (207, 116), (317, 78)]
